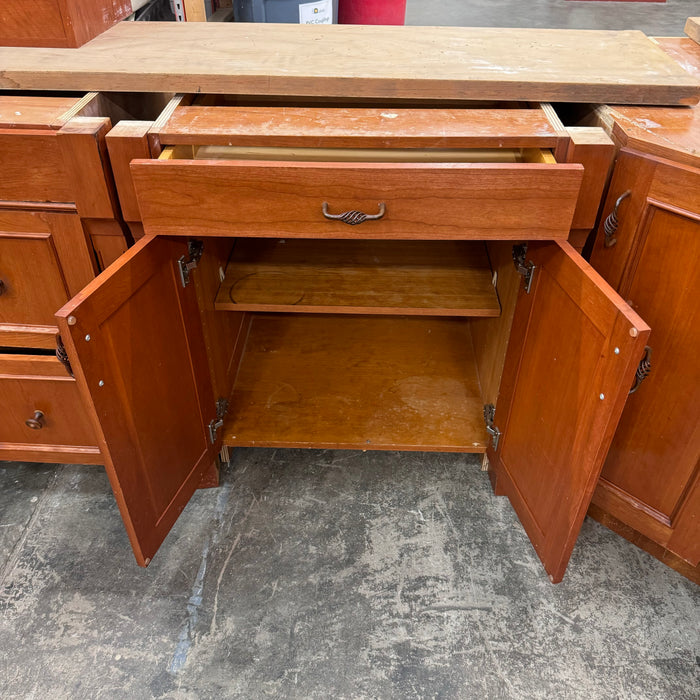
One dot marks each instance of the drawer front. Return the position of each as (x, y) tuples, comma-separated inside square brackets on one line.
[(508, 201), (42, 416)]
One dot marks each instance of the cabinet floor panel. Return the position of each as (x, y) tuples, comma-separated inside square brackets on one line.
[(357, 382), (435, 278)]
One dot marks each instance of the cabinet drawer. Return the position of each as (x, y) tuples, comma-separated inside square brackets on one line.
[(419, 200), (36, 383)]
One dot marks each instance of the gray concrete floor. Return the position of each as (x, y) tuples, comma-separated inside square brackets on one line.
[(317, 574), (327, 574)]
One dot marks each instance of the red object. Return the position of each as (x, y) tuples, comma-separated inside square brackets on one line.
[(371, 11)]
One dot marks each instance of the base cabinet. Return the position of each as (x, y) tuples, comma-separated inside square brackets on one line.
[(374, 323)]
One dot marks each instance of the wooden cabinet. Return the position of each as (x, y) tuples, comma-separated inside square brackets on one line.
[(650, 484), (651, 478), (269, 323), (59, 225), (60, 23)]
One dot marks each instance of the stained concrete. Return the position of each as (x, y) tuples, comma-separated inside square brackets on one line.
[(327, 574)]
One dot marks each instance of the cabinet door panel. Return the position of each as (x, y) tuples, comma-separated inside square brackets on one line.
[(135, 342), (570, 363)]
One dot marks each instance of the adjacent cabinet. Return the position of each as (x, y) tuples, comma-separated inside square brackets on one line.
[(382, 275)]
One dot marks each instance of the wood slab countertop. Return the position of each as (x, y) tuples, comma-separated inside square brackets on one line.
[(614, 67), (661, 131)]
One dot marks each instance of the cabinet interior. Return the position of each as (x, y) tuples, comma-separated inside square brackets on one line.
[(360, 155), (365, 344)]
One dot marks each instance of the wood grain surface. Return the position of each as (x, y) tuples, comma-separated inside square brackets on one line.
[(661, 131), (571, 359), (436, 278), (423, 201), (357, 382), (358, 127), (38, 383), (370, 61)]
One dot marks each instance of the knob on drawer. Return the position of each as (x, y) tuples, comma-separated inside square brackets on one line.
[(37, 422)]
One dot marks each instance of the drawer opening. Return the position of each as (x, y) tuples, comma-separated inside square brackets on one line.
[(436, 278), (360, 155), (357, 382)]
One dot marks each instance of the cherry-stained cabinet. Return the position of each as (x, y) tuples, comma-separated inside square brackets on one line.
[(59, 226), (648, 248), (270, 295), (651, 477)]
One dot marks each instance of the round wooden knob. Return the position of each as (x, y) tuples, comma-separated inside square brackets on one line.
[(37, 422)]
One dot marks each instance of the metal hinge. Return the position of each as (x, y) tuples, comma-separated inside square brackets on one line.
[(491, 429), (187, 264), (215, 425), (526, 269)]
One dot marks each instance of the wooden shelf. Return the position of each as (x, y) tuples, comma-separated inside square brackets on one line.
[(435, 278), (359, 382)]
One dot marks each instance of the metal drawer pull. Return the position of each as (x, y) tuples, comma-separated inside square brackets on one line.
[(610, 224), (36, 423), (643, 370), (354, 217)]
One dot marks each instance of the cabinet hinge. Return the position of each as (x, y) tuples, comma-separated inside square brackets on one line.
[(491, 429), (216, 424), (62, 355), (187, 264), (526, 269)]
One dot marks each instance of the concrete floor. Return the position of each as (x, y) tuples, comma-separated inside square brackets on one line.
[(319, 574), (327, 574)]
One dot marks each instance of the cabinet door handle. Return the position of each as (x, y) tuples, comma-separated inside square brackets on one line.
[(354, 217), (610, 224), (643, 370), (37, 422)]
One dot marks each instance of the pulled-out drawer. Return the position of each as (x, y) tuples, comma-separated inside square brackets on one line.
[(42, 415), (505, 194)]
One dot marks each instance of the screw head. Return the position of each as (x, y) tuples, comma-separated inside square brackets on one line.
[(72, 320), (101, 382), (617, 351), (87, 337), (601, 397)]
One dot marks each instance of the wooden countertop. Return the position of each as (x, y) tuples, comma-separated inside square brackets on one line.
[(662, 131), (618, 67)]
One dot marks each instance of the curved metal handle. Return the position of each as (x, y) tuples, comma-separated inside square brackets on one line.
[(610, 224), (354, 217), (643, 370), (37, 422)]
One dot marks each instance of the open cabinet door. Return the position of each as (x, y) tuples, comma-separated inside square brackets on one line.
[(571, 360), (135, 344)]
